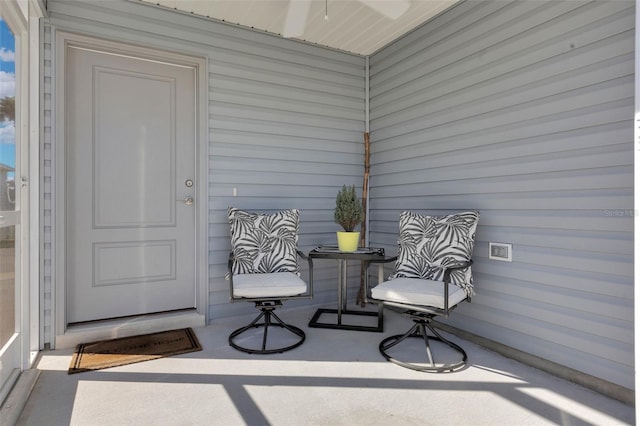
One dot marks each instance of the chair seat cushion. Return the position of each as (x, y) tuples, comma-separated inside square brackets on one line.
[(276, 284), (415, 291)]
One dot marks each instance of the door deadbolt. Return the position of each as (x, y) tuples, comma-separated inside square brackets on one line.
[(188, 183)]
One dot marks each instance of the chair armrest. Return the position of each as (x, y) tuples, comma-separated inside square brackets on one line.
[(381, 263), (454, 267), (230, 274), (310, 262), (447, 280)]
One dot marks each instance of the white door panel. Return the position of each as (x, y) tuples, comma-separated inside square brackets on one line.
[(130, 150), (134, 157)]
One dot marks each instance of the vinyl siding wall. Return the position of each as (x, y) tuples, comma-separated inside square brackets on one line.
[(286, 123), (523, 111)]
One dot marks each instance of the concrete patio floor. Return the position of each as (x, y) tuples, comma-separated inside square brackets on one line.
[(336, 377)]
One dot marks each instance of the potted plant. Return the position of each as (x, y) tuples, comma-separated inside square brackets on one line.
[(348, 214)]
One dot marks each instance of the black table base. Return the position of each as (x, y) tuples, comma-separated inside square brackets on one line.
[(315, 321), (364, 255)]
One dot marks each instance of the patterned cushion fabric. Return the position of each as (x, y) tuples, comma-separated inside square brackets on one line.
[(430, 243), (264, 243)]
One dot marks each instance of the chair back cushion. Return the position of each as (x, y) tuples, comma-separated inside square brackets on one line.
[(428, 244), (264, 243)]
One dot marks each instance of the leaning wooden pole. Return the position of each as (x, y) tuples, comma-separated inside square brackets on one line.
[(361, 299)]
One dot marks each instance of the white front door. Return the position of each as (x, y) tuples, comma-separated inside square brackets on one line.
[(130, 185)]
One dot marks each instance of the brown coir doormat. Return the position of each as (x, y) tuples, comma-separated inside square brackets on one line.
[(127, 350)]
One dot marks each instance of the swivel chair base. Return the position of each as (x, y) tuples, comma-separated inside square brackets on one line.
[(422, 322), (267, 312)]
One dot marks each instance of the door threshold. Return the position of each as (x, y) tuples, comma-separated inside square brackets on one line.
[(128, 326)]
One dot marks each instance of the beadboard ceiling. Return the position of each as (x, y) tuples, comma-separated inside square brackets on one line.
[(356, 26)]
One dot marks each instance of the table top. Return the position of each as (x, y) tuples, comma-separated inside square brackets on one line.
[(332, 252)]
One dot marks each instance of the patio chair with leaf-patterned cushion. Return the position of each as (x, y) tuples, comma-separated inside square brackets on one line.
[(431, 276), (264, 268)]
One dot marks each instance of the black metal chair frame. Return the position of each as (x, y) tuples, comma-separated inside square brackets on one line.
[(267, 306), (422, 317)]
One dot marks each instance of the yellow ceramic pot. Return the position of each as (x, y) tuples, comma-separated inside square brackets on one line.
[(348, 241)]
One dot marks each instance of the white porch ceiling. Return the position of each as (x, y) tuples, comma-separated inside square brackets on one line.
[(357, 26)]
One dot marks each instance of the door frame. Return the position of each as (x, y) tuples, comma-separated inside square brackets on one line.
[(23, 18), (60, 334)]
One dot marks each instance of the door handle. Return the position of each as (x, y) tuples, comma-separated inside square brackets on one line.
[(188, 201)]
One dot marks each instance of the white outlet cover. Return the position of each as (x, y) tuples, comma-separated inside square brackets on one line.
[(500, 251)]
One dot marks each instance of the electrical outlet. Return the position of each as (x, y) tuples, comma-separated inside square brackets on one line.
[(500, 251)]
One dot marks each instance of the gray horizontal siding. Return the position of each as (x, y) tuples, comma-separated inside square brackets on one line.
[(287, 137), (285, 125), (521, 110)]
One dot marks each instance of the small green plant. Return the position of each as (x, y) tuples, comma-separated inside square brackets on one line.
[(348, 212)]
